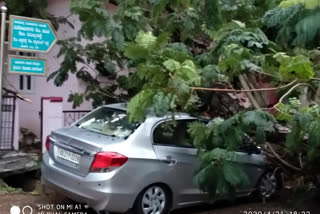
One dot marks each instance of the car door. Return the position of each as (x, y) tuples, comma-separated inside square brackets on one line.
[(253, 164), (173, 147)]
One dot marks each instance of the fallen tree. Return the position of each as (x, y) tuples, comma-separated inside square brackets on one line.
[(199, 57)]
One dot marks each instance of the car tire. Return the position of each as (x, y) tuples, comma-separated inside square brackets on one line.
[(268, 185), (153, 199)]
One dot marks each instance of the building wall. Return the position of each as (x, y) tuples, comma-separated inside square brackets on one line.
[(29, 113)]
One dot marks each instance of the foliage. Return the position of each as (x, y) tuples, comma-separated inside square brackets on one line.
[(218, 171), (210, 73), (296, 67), (171, 48), (253, 39), (305, 129), (303, 140), (5, 188), (239, 50), (230, 133), (234, 58), (168, 72), (288, 110), (34, 8), (296, 22), (309, 4), (216, 143), (183, 20), (98, 70)]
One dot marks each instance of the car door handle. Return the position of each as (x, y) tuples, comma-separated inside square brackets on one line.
[(168, 161)]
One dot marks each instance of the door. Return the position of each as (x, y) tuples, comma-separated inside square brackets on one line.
[(173, 146), (253, 164), (7, 122)]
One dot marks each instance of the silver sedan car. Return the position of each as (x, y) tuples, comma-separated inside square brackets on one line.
[(112, 165)]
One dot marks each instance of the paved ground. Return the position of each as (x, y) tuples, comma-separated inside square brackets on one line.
[(51, 204)]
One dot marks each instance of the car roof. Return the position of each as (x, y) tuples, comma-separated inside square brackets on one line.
[(123, 106), (120, 106)]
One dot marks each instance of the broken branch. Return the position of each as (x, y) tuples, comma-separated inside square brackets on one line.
[(281, 160), (246, 90)]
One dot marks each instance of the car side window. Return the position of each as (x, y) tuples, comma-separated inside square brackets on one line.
[(248, 146), (173, 133)]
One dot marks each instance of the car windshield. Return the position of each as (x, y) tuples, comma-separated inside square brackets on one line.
[(108, 121)]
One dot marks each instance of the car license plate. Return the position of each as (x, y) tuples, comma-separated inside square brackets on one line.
[(69, 156)]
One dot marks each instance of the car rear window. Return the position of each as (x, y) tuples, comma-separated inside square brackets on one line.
[(108, 121)]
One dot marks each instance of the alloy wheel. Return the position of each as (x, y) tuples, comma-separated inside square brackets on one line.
[(154, 200), (268, 185)]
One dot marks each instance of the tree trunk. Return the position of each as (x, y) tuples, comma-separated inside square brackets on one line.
[(219, 104), (249, 94), (304, 97), (257, 95)]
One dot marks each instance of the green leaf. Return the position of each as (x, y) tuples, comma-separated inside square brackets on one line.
[(233, 57), (118, 39), (239, 23), (299, 123), (309, 4), (76, 99), (172, 65), (212, 14), (181, 47), (198, 133), (162, 40), (158, 6), (52, 75), (314, 140), (161, 103), (146, 40), (134, 51), (296, 67), (138, 105), (212, 73), (234, 175), (189, 73)]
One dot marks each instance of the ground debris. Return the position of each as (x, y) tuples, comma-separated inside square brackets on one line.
[(5, 188), (17, 162)]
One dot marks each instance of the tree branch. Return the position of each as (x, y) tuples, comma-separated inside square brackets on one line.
[(291, 89), (243, 91), (265, 74), (107, 94), (300, 160), (281, 160)]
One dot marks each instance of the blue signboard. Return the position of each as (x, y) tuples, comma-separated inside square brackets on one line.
[(28, 66), (28, 34)]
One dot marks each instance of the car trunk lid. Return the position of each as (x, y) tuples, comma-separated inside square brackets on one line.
[(73, 149)]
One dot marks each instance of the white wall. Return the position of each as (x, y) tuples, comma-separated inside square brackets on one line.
[(29, 113), (16, 126), (52, 118)]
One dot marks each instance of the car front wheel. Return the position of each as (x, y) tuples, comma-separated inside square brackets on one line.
[(153, 200), (268, 185)]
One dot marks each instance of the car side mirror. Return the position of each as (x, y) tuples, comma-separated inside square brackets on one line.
[(250, 149)]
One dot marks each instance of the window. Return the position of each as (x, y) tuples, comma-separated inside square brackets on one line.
[(108, 121), (26, 83), (249, 146), (173, 133)]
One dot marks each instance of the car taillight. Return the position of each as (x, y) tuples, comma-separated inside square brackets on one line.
[(104, 160), (48, 143)]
